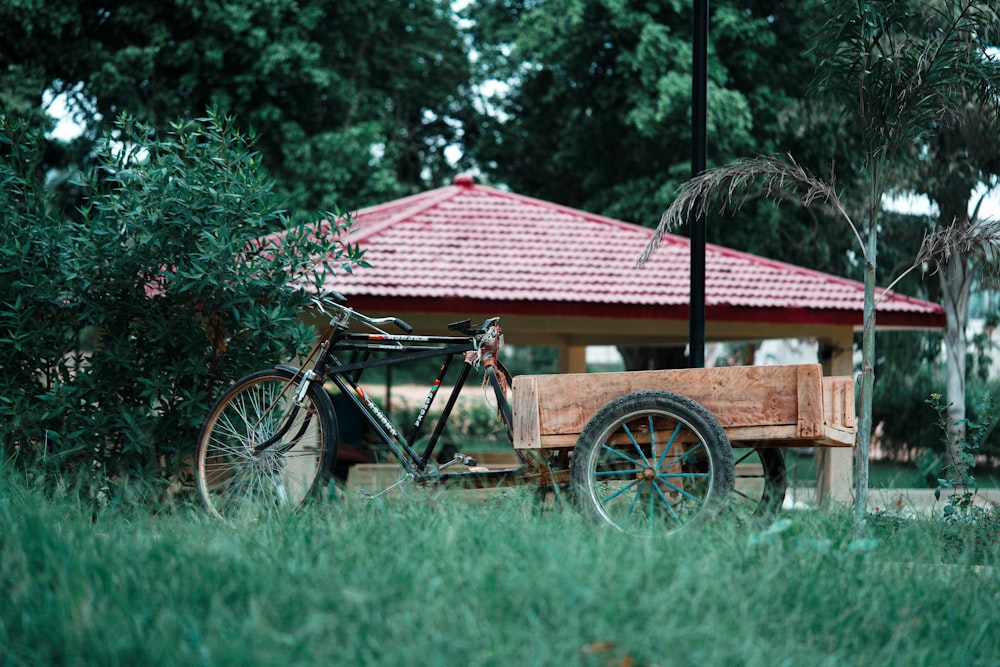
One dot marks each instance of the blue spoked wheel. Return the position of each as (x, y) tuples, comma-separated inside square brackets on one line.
[(652, 462)]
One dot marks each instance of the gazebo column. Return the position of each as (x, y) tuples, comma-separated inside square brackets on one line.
[(835, 465), (572, 358)]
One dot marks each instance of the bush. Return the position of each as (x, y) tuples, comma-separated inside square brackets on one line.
[(117, 330)]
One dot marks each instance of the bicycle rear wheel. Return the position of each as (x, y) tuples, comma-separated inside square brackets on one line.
[(234, 480)]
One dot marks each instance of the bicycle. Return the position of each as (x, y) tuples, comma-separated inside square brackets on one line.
[(271, 439), (649, 461)]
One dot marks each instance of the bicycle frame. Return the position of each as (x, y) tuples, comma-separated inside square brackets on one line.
[(475, 346)]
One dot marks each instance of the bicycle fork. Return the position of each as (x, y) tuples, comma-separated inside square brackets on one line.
[(289, 418)]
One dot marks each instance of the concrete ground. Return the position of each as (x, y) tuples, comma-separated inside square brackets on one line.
[(911, 501)]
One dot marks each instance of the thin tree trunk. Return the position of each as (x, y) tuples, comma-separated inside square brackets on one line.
[(867, 385), (954, 280)]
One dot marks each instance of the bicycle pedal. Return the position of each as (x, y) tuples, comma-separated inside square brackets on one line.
[(467, 460)]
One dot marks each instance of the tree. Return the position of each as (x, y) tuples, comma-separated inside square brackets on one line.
[(350, 100), (900, 83), (961, 152)]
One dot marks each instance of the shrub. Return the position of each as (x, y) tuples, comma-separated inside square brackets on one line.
[(117, 330)]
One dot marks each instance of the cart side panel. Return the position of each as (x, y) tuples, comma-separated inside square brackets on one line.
[(765, 402), (838, 411), (524, 409)]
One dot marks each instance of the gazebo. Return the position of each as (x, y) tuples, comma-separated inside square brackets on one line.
[(564, 277)]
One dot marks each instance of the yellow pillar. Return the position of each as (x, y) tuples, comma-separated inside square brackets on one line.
[(835, 465), (572, 359)]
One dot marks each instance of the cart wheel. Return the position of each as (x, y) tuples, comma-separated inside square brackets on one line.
[(652, 462), (760, 481)]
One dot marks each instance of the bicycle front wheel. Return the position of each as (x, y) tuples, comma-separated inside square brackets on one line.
[(235, 476)]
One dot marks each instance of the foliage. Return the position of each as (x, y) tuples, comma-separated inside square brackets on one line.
[(534, 360), (873, 50), (970, 529), (909, 368), (964, 534), (351, 100), (119, 329), (972, 436), (910, 371)]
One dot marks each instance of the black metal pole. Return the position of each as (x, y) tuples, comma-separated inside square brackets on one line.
[(699, 153)]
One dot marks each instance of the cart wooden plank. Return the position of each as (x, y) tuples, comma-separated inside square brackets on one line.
[(775, 406)]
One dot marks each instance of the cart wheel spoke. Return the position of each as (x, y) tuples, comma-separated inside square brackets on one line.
[(611, 451)]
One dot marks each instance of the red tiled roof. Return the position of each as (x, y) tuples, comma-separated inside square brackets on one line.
[(472, 248)]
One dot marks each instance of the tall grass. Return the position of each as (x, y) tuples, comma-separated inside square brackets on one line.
[(499, 582)]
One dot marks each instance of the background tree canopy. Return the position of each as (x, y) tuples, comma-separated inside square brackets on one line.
[(351, 101)]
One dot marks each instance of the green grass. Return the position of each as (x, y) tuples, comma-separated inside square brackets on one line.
[(500, 582)]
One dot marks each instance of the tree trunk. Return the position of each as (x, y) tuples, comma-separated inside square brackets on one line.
[(954, 278), (864, 435)]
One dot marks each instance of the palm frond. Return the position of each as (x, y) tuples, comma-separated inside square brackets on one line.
[(981, 239), (774, 177)]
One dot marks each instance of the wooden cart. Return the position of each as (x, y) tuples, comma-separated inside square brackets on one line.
[(769, 406), (661, 447)]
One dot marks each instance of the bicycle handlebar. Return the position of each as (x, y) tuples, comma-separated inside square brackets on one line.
[(329, 300), (347, 314)]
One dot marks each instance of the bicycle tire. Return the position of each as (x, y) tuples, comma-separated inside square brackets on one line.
[(233, 481), (623, 474)]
